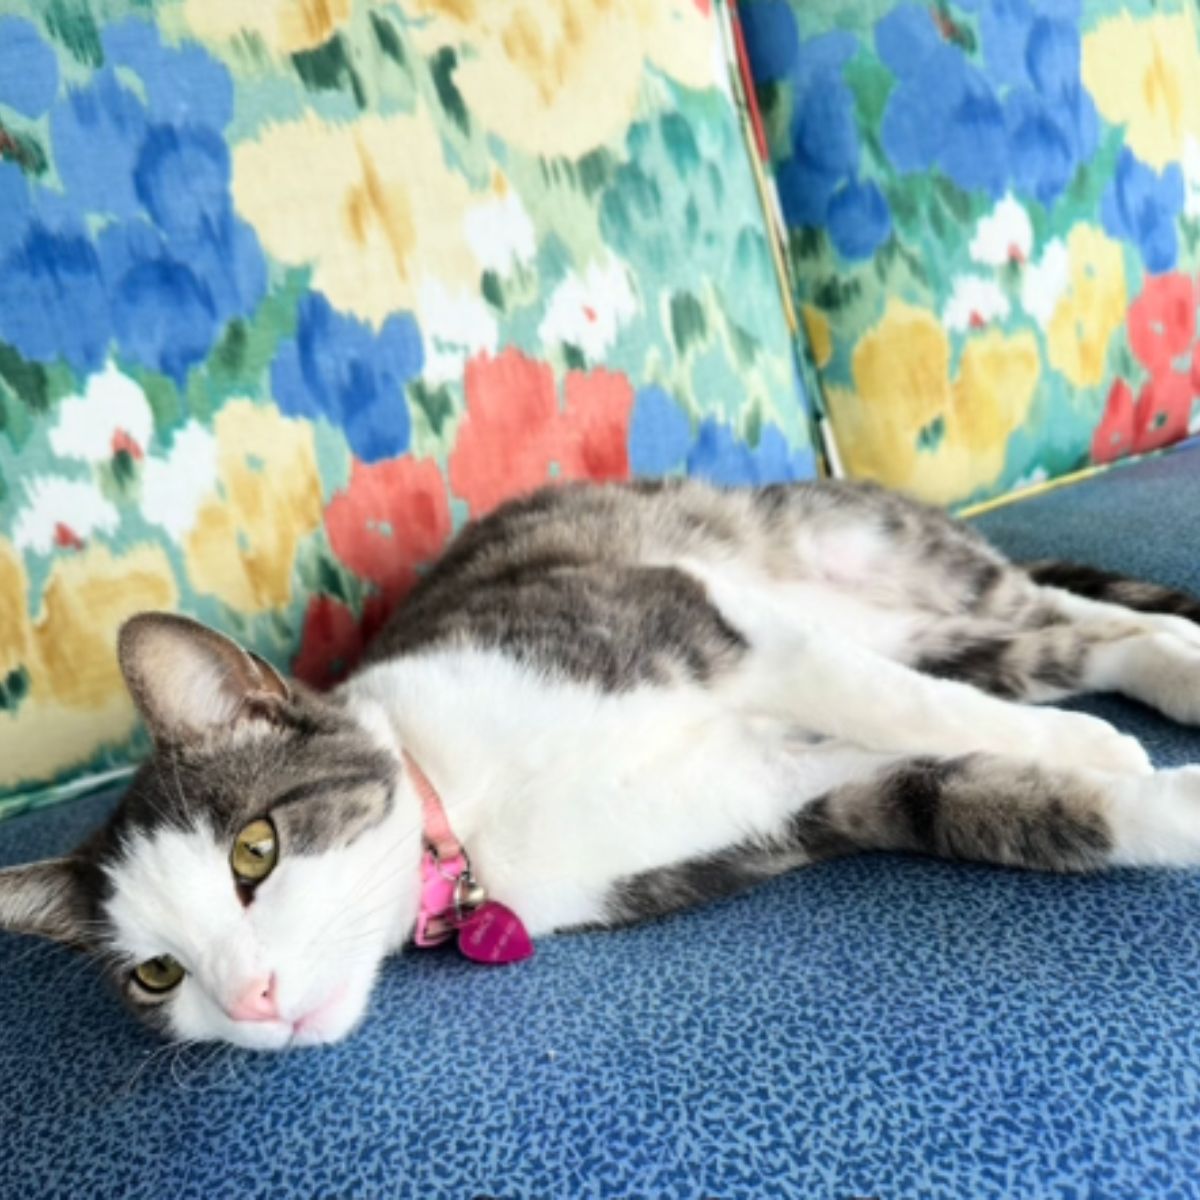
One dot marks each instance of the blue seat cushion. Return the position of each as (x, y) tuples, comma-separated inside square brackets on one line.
[(881, 1026)]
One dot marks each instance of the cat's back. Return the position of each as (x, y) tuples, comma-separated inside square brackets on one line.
[(582, 577), (603, 581)]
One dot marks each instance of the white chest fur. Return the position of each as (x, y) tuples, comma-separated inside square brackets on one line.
[(559, 790)]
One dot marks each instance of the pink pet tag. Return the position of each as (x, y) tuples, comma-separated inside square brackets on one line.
[(494, 934)]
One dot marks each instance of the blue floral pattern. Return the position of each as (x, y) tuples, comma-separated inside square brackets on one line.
[(28, 68), (661, 440), (1142, 206), (172, 264), (818, 178), (336, 367)]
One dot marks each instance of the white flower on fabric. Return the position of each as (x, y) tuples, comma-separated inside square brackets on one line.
[(974, 303), (111, 414), (500, 233), (1033, 478), (588, 310), (1191, 176), (454, 326), (61, 513), (175, 485), (1046, 281), (1004, 236)]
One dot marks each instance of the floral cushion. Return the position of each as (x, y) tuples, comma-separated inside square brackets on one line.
[(288, 290), (993, 215)]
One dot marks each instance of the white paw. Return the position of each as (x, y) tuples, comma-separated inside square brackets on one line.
[(1181, 628), (1077, 740), (1171, 679)]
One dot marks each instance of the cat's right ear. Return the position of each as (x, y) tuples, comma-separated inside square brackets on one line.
[(47, 899), (190, 682)]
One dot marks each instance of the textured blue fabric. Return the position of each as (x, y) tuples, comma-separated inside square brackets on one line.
[(882, 1026)]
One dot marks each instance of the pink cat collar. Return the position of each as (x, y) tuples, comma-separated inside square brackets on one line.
[(452, 902)]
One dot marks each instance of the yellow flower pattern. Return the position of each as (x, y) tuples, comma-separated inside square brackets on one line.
[(381, 213), (244, 541), (909, 425), (1091, 310), (561, 77), (1144, 73), (77, 703), (283, 26)]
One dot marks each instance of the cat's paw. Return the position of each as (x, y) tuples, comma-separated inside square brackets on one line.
[(1077, 740)]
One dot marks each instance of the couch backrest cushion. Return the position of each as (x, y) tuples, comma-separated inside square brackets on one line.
[(287, 291), (993, 210)]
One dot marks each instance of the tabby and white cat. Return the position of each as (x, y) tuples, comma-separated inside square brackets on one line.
[(629, 699)]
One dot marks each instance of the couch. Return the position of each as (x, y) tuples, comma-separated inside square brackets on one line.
[(287, 292)]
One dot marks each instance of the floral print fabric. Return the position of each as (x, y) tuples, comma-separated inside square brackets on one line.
[(993, 213), (288, 290)]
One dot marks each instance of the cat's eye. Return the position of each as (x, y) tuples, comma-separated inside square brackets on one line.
[(159, 974), (255, 853)]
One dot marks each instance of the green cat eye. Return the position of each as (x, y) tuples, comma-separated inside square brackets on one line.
[(255, 852), (159, 974)]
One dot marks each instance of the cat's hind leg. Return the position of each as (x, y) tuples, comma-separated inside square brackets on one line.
[(990, 808), (1082, 589), (979, 807), (1067, 645)]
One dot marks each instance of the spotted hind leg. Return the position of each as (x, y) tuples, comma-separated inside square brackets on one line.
[(978, 807), (1066, 645)]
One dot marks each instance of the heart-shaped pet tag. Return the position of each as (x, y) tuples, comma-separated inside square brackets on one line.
[(494, 934)]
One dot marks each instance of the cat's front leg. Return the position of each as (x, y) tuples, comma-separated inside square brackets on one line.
[(835, 686)]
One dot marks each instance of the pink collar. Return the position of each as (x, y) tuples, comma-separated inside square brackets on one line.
[(452, 902)]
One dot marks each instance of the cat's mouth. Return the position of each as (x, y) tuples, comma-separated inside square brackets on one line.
[(318, 1023), (328, 1021)]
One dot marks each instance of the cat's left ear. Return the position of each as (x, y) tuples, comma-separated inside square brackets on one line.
[(190, 682), (47, 899)]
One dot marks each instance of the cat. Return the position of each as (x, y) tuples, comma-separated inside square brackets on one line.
[(618, 700)]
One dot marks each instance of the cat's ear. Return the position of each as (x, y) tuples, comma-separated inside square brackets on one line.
[(190, 682), (46, 898)]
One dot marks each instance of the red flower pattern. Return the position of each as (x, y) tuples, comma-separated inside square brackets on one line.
[(1162, 321), (391, 517), (595, 426), (1113, 437), (1162, 329), (330, 644), (506, 440), (514, 430), (1164, 406)]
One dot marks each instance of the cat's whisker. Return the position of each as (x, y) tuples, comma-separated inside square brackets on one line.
[(34, 950), (359, 917), (73, 966), (384, 879), (210, 1054), (160, 1052)]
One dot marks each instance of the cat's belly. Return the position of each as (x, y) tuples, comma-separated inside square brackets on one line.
[(761, 608)]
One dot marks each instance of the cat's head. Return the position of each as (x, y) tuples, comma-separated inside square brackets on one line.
[(260, 866)]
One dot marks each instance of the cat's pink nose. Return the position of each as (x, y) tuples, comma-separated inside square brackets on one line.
[(257, 1001)]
